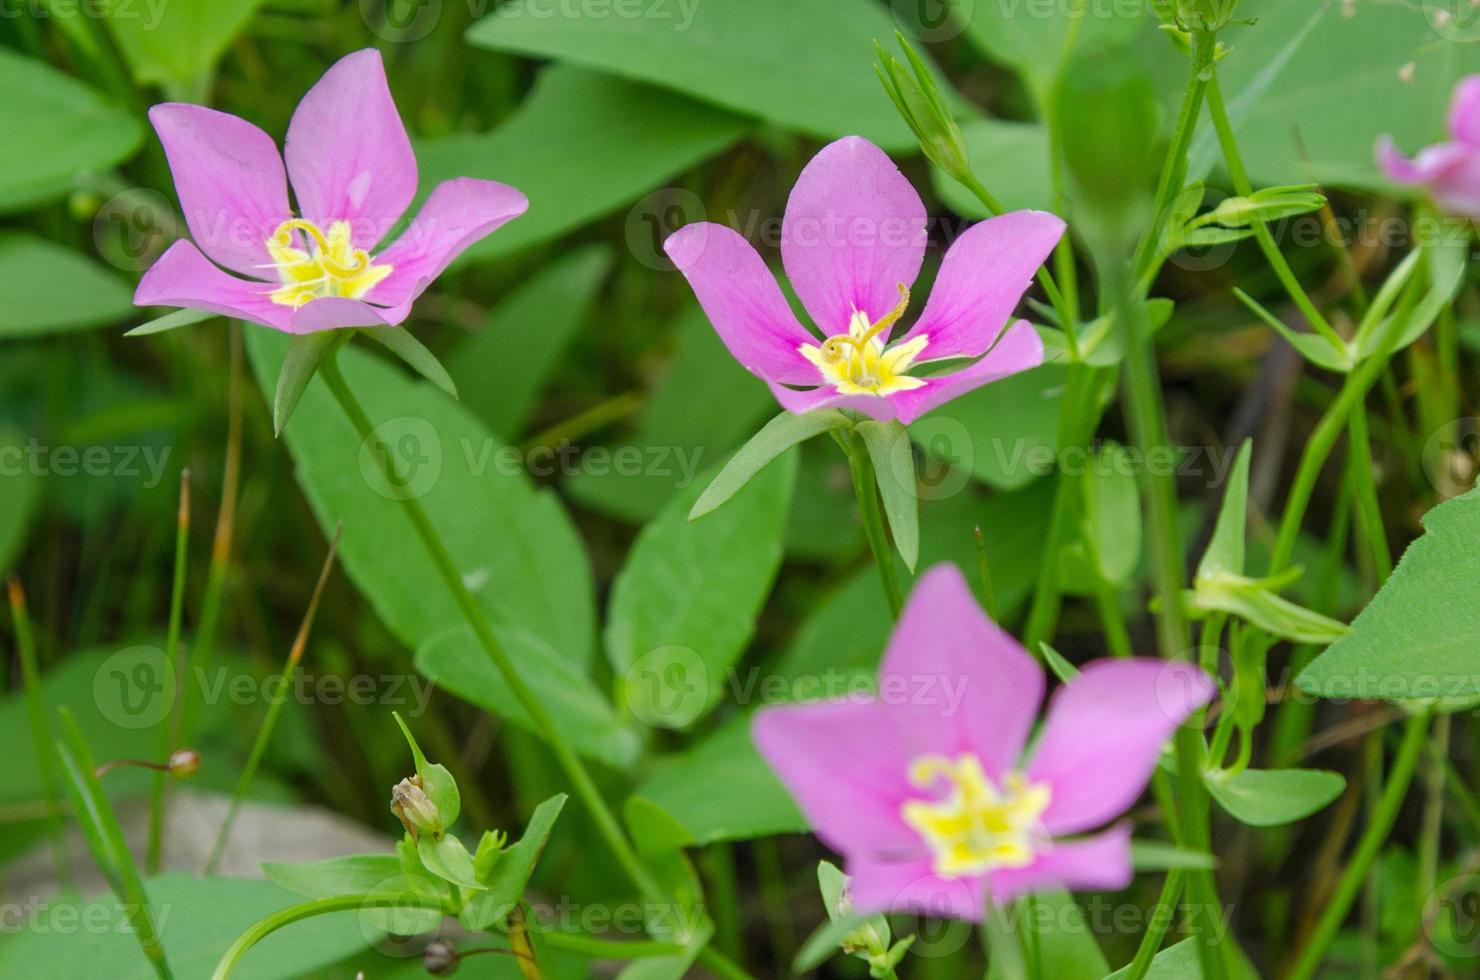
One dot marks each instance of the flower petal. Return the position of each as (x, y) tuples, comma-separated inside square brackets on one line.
[(742, 300), (1104, 733), (982, 278), (845, 768), (348, 154), (336, 312), (1464, 111), (799, 402), (1431, 164), (183, 277), (456, 214), (229, 178), (1019, 350), (1098, 863), (881, 885), (854, 231), (954, 681)]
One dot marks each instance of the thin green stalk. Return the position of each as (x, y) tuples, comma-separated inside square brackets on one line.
[(1241, 185), (780, 931), (718, 862), (1171, 893), (1045, 278), (1433, 813), (274, 709), (575, 769), (865, 488), (606, 949), (1368, 848), (1364, 490), (41, 737), (166, 730)]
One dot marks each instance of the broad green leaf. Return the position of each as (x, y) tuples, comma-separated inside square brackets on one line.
[(1005, 434), (402, 343), (56, 129), (176, 44), (775, 437), (515, 547), (1225, 552), (538, 320), (46, 289), (306, 354), (1011, 159), (582, 145), (1178, 962), (1030, 38), (1270, 797), (753, 57), (448, 859), (513, 867), (683, 607), (354, 874), (205, 917), (1412, 641), (893, 459), (457, 662)]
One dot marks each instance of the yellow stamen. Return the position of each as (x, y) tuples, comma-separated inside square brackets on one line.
[(977, 826), (332, 266), (859, 363)]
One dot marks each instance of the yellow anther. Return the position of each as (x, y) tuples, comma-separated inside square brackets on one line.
[(976, 825), (331, 266)]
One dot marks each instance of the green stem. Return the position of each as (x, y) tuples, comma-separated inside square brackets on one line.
[(41, 737), (575, 769), (1368, 848), (1369, 510), (1171, 892), (1045, 278), (167, 726), (865, 489), (606, 949)]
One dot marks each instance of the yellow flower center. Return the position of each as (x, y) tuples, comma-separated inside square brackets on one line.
[(860, 363), (976, 826), (329, 265)]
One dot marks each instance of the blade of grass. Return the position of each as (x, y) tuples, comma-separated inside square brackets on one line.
[(167, 726), (41, 736), (274, 707), (105, 839)]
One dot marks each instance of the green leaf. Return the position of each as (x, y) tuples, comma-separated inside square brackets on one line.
[(1225, 554), (826, 941), (171, 321), (774, 438), (873, 935), (1316, 348), (1110, 550), (1251, 600), (1412, 641), (46, 289), (1031, 40), (176, 44), (893, 459), (448, 859), (436, 780), (1158, 856), (538, 319), (751, 57), (1447, 261), (56, 129), (1271, 797), (1010, 158), (513, 869), (1062, 668), (582, 145), (1005, 433), (1064, 938), (354, 874), (402, 343), (1178, 962), (306, 354), (683, 607)]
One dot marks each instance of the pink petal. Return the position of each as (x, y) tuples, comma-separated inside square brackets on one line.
[(348, 154), (953, 681), (456, 215), (1432, 163), (183, 277), (742, 300), (1098, 863), (1104, 733), (982, 278), (854, 231), (229, 178), (1019, 349), (336, 312), (845, 767), (799, 402), (882, 885), (1464, 111)]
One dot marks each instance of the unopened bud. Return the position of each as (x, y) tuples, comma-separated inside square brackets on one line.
[(417, 813), (184, 763), (440, 959), (916, 95)]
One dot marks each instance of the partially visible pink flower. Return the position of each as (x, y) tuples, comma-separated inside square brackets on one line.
[(928, 789), (1449, 171), (852, 243), (353, 176)]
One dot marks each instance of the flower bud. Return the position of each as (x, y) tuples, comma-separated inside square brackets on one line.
[(440, 959), (417, 813), (184, 763), (915, 94)]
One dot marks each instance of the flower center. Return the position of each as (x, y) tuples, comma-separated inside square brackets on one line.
[(975, 826), (859, 362), (324, 265)]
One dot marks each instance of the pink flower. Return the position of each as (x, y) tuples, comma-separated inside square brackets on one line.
[(926, 789), (1449, 171), (852, 243), (353, 177)]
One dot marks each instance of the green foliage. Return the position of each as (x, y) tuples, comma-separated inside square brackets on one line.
[(176, 44), (1270, 797), (33, 300)]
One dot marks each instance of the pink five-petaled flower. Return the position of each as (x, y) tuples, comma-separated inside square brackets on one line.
[(926, 788), (852, 242), (1449, 171), (353, 175)]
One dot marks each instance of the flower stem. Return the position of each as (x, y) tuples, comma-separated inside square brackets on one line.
[(41, 737), (1171, 891), (168, 725), (1368, 849), (865, 488)]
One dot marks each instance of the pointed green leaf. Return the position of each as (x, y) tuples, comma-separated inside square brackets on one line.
[(1271, 797), (306, 354), (774, 438), (402, 343), (436, 780), (893, 457), (170, 321), (1312, 346), (1225, 552)]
